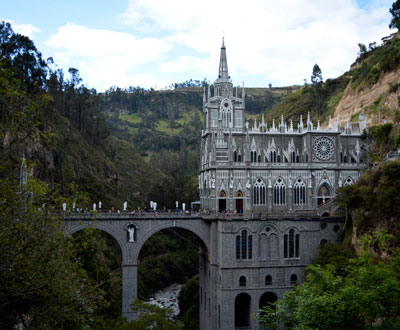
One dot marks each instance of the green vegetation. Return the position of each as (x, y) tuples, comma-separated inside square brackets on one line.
[(373, 63), (395, 11), (365, 298), (189, 303), (170, 256), (343, 290), (381, 140), (320, 100)]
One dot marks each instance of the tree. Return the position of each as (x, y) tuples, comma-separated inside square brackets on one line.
[(366, 298), (41, 287), (18, 52), (395, 11), (363, 49), (316, 76)]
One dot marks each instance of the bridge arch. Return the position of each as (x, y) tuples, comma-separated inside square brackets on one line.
[(105, 228), (181, 224)]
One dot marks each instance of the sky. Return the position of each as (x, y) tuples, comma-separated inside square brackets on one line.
[(154, 43)]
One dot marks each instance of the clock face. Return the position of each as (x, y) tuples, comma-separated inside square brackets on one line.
[(225, 91), (324, 148)]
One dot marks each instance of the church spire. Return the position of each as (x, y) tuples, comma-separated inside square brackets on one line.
[(223, 64)]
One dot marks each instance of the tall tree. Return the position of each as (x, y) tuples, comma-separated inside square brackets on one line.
[(395, 11), (316, 76)]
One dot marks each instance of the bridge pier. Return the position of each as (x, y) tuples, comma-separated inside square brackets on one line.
[(129, 290)]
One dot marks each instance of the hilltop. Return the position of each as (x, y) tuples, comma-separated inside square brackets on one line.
[(371, 84)]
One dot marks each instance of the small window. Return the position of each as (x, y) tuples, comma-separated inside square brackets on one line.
[(323, 226), (323, 241), (242, 281), (293, 279), (336, 228), (268, 280)]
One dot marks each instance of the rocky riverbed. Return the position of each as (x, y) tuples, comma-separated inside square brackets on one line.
[(167, 298)]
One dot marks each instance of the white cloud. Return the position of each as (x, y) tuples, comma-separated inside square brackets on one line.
[(278, 40), (267, 41), (103, 57), (26, 29)]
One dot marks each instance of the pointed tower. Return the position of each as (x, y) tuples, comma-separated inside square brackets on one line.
[(223, 64), (223, 84)]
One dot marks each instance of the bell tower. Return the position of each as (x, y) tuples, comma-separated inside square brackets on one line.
[(222, 105)]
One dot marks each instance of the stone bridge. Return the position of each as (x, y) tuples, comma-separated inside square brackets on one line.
[(244, 263)]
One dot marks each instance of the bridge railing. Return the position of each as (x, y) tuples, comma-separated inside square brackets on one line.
[(96, 215)]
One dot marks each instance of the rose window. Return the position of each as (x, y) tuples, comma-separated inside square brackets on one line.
[(323, 148)]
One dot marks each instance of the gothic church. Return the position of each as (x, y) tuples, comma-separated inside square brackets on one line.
[(268, 191), (280, 168)]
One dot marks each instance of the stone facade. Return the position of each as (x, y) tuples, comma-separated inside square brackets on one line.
[(281, 168)]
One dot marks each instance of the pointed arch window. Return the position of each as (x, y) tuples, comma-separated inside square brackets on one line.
[(227, 118), (273, 156), (259, 195), (253, 156), (293, 157), (244, 245), (239, 159), (291, 245), (279, 192), (235, 158), (299, 192)]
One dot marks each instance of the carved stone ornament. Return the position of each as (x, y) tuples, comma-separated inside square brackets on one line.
[(324, 148), (132, 230), (212, 182)]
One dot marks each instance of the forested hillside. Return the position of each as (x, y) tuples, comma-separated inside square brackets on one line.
[(370, 87)]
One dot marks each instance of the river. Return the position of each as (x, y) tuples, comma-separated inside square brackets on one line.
[(167, 298)]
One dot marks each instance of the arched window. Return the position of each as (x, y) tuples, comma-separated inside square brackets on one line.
[(291, 245), (239, 157), (273, 156), (259, 158), (299, 192), (293, 279), (323, 241), (279, 192), (222, 201), (253, 156), (293, 157), (324, 193), (268, 280), (235, 156), (242, 281), (244, 245), (341, 157), (259, 192), (227, 118)]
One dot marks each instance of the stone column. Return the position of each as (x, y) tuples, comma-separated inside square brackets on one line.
[(129, 290)]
